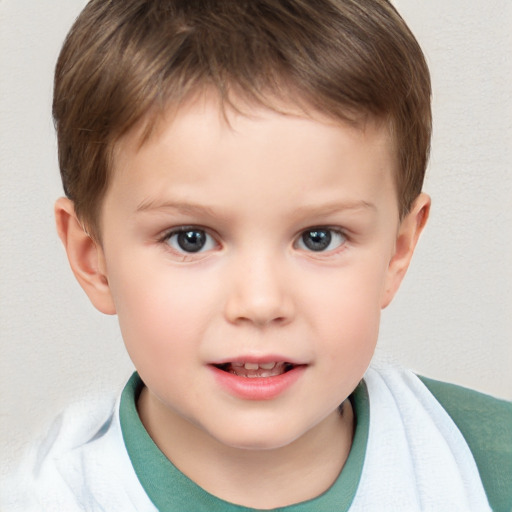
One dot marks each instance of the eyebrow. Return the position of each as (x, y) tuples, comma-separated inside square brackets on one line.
[(186, 208), (335, 207), (306, 210)]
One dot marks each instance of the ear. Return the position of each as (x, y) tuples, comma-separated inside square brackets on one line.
[(85, 256), (408, 234)]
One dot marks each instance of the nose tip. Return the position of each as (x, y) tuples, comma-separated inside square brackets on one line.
[(260, 298)]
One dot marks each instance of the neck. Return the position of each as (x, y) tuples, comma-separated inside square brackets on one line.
[(262, 479)]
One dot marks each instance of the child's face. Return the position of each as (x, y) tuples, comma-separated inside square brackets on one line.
[(268, 241)]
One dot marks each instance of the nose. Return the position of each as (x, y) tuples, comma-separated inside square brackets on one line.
[(259, 292)]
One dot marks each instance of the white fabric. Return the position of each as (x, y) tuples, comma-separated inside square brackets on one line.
[(82, 466), (416, 459)]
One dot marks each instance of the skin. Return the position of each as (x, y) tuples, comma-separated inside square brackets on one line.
[(255, 291)]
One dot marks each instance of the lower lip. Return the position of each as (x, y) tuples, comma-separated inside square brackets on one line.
[(258, 388)]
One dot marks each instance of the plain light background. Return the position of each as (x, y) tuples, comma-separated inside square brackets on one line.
[(452, 320)]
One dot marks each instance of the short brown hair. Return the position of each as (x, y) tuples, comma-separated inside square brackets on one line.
[(124, 59)]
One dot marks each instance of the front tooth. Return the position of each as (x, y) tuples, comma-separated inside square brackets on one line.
[(251, 366), (267, 366)]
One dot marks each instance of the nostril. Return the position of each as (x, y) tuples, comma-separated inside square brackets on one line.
[(259, 298)]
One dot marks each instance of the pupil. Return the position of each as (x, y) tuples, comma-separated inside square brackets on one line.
[(191, 241), (317, 239)]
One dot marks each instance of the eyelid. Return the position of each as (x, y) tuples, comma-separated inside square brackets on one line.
[(333, 229), (165, 234), (169, 233)]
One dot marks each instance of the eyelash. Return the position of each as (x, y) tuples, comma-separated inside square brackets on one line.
[(210, 242), (176, 232), (333, 233)]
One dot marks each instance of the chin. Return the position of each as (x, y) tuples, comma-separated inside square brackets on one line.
[(258, 445), (257, 439)]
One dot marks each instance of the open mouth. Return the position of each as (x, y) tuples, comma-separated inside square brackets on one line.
[(256, 370)]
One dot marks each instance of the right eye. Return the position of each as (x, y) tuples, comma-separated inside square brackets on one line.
[(321, 240), (189, 240)]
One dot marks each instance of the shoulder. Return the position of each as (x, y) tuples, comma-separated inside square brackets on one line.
[(56, 460), (486, 424)]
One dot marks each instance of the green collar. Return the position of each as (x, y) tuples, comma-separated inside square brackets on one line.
[(170, 490)]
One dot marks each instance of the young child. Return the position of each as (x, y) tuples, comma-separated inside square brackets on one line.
[(243, 185)]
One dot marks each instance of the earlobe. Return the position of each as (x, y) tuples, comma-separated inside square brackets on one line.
[(85, 257), (408, 234)]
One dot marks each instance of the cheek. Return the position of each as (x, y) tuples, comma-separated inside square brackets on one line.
[(159, 314), (353, 331), (348, 312)]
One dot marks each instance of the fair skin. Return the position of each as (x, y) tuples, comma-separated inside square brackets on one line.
[(273, 240)]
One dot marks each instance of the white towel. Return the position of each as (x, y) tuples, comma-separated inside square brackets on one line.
[(416, 458)]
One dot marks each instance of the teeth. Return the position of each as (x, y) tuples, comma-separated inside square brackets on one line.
[(256, 366), (256, 370)]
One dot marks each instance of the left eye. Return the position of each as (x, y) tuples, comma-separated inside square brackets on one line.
[(320, 239), (190, 240)]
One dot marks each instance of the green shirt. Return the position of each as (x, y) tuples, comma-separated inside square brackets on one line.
[(485, 423)]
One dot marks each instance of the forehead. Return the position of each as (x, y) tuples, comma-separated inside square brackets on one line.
[(233, 105), (208, 142)]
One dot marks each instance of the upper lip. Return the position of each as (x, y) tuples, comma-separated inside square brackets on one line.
[(258, 360)]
